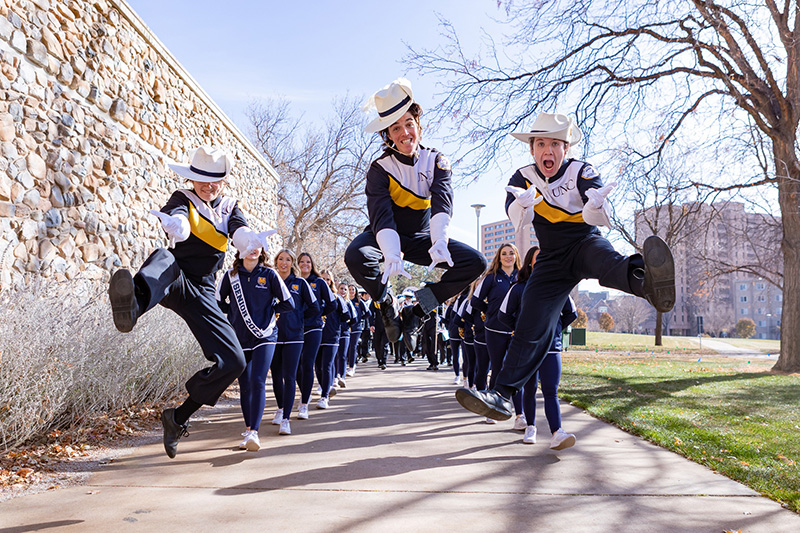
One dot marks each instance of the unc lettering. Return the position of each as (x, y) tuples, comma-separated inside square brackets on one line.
[(563, 189)]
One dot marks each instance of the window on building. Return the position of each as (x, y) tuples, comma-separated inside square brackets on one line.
[(743, 311), (760, 286), (761, 298), (760, 311), (762, 323), (778, 297), (743, 299), (743, 286)]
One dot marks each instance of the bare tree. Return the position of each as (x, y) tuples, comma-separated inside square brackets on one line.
[(322, 169), (662, 73), (629, 312)]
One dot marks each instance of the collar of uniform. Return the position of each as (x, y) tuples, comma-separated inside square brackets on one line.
[(409, 160), (557, 174)]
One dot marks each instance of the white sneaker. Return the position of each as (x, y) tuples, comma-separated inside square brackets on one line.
[(520, 424), (342, 382), (318, 391), (246, 435), (276, 420), (490, 420), (561, 440), (350, 372), (253, 444), (457, 381), (530, 435), (322, 403), (286, 429), (302, 412)]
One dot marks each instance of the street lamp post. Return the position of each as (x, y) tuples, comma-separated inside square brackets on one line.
[(477, 208)]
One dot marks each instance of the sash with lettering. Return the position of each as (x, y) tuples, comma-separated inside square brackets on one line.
[(238, 295)]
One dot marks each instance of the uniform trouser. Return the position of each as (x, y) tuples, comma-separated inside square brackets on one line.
[(325, 360), (481, 364), (556, 273), (341, 356), (429, 345), (284, 375), (363, 258), (496, 345), (363, 347), (162, 281), (469, 361), (454, 351), (252, 397), (379, 342), (549, 374), (352, 348), (305, 371)]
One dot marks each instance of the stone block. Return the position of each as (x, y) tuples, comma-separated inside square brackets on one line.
[(36, 166), (7, 209), (6, 29), (19, 42), (78, 64), (47, 250), (25, 179), (118, 108), (36, 52), (31, 199), (52, 43), (65, 73)]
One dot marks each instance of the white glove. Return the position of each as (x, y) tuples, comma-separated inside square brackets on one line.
[(520, 215), (597, 197), (389, 243), (594, 211), (439, 254), (246, 240), (525, 197), (440, 223), (176, 226)]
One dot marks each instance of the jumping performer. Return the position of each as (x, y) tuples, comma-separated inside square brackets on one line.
[(198, 221), (409, 202), (566, 201)]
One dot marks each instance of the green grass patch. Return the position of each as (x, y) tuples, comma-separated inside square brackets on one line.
[(600, 341), (729, 414)]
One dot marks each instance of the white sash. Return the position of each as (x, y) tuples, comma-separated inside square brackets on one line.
[(238, 295)]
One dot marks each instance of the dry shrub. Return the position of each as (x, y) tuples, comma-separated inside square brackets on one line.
[(62, 360)]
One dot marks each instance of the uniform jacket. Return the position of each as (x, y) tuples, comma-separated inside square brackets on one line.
[(489, 294), (325, 298), (291, 325)]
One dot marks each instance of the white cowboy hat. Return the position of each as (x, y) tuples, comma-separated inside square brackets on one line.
[(552, 126), (206, 164), (392, 102)]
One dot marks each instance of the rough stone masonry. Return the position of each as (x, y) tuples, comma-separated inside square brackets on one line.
[(92, 107)]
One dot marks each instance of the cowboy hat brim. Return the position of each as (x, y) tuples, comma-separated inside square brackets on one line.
[(560, 135), (187, 172), (381, 123)]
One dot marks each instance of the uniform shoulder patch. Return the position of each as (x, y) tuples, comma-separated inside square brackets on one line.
[(442, 162), (589, 173)]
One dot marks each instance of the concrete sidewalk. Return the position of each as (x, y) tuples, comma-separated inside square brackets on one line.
[(395, 452)]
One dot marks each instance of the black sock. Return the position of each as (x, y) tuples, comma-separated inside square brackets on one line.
[(186, 409)]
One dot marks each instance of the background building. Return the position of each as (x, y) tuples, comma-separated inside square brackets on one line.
[(495, 234)]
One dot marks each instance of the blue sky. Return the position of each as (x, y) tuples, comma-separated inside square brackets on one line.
[(311, 52)]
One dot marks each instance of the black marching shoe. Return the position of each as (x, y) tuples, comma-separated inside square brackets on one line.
[(391, 322), (426, 302), (122, 293), (659, 274), (488, 403), (172, 432)]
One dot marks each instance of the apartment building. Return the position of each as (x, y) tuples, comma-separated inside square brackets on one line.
[(495, 234)]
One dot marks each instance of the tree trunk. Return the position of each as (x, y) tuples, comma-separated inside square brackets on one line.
[(788, 171), (659, 325)]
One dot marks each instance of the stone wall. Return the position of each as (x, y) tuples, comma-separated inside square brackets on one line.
[(92, 108)]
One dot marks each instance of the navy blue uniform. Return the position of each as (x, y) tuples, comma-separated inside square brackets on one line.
[(313, 335), (571, 250), (403, 193), (291, 329), (489, 294), (182, 279)]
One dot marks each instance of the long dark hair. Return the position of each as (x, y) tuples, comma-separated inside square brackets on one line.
[(239, 262), (314, 271), (526, 270)]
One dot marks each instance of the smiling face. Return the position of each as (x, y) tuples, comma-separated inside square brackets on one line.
[(405, 134), (283, 263), (208, 191), (342, 290), (304, 264), (549, 155), (508, 257)]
